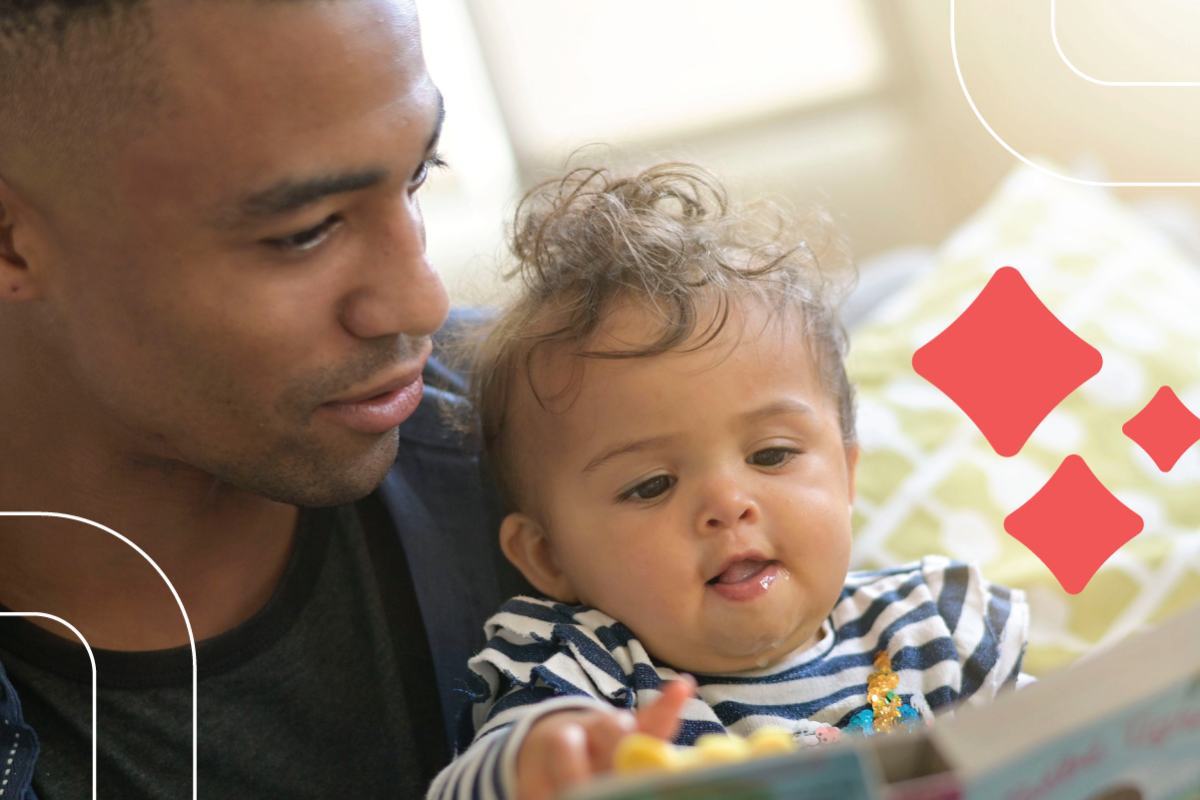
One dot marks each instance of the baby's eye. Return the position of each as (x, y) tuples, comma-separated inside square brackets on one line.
[(772, 456), (649, 489)]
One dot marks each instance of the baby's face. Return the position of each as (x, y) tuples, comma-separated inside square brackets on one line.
[(702, 499)]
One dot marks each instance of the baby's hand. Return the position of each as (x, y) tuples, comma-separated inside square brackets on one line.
[(569, 747)]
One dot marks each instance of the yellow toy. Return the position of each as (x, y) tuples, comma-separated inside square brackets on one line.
[(640, 752)]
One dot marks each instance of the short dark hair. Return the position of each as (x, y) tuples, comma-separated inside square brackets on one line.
[(50, 19), (72, 69), (669, 237)]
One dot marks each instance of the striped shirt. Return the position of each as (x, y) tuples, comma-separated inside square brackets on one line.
[(952, 637)]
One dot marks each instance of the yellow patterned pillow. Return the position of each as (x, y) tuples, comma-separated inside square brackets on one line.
[(928, 481)]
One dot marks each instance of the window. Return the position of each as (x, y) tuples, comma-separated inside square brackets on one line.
[(570, 72)]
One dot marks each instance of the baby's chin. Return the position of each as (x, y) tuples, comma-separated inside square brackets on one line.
[(745, 650), (769, 653)]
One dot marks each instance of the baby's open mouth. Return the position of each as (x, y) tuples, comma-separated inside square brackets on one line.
[(746, 579), (741, 571)]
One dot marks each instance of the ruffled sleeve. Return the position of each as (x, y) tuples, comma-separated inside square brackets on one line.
[(988, 623), (539, 649), (541, 657)]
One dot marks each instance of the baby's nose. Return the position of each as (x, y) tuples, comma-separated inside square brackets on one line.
[(727, 506), (720, 520)]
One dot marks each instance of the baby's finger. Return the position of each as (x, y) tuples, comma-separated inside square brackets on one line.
[(568, 757), (605, 732), (661, 718)]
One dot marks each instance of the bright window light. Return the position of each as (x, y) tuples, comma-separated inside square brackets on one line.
[(575, 71)]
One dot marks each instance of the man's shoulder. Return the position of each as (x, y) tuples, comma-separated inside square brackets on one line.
[(438, 480), (439, 501), (439, 460), (444, 419), (441, 420)]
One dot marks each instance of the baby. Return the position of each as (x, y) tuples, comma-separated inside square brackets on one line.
[(666, 411)]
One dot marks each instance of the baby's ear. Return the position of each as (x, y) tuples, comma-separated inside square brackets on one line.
[(527, 546)]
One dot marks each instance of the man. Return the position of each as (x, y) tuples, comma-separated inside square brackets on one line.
[(216, 313)]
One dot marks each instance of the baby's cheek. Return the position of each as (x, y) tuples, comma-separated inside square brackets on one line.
[(635, 571), (821, 556), (608, 578), (648, 596)]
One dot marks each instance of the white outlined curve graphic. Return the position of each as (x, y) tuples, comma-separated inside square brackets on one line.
[(1086, 77), (186, 621), (962, 84), (91, 657)]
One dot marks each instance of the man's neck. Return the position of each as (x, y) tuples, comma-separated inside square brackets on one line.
[(223, 549), (224, 558)]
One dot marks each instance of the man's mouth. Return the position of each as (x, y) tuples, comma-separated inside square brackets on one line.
[(379, 409)]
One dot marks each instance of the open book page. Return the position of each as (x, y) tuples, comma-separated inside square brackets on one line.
[(841, 773), (1122, 726), (1126, 723)]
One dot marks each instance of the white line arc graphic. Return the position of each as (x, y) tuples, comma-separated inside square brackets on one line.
[(1086, 77), (182, 610), (1018, 156)]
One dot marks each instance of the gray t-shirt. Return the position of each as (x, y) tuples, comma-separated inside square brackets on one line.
[(323, 693)]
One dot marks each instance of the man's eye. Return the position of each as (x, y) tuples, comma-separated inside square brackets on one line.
[(650, 489), (433, 162), (307, 239), (772, 456)]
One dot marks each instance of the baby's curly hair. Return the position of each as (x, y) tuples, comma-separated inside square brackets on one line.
[(669, 239)]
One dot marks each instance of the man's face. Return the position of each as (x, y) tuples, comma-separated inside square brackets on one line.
[(257, 254)]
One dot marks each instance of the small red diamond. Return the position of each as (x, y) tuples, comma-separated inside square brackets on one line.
[(1164, 428), (1073, 524), (1007, 361)]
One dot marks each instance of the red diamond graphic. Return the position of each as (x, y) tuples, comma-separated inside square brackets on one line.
[(1073, 524), (1164, 428), (1007, 361)]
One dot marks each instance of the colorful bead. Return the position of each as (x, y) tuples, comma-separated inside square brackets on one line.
[(888, 711), (861, 724)]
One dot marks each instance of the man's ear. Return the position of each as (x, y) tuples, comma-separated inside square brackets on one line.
[(527, 546), (15, 280), (852, 469)]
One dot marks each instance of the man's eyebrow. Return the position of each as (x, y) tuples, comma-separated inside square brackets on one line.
[(638, 446), (777, 409), (291, 194)]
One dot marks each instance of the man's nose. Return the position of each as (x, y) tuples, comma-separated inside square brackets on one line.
[(396, 290), (725, 504)]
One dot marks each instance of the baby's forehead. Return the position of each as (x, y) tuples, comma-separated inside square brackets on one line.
[(570, 389)]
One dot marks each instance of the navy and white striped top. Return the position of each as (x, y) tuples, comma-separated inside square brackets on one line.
[(952, 637)]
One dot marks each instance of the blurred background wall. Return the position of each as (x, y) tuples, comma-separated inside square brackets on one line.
[(852, 104)]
